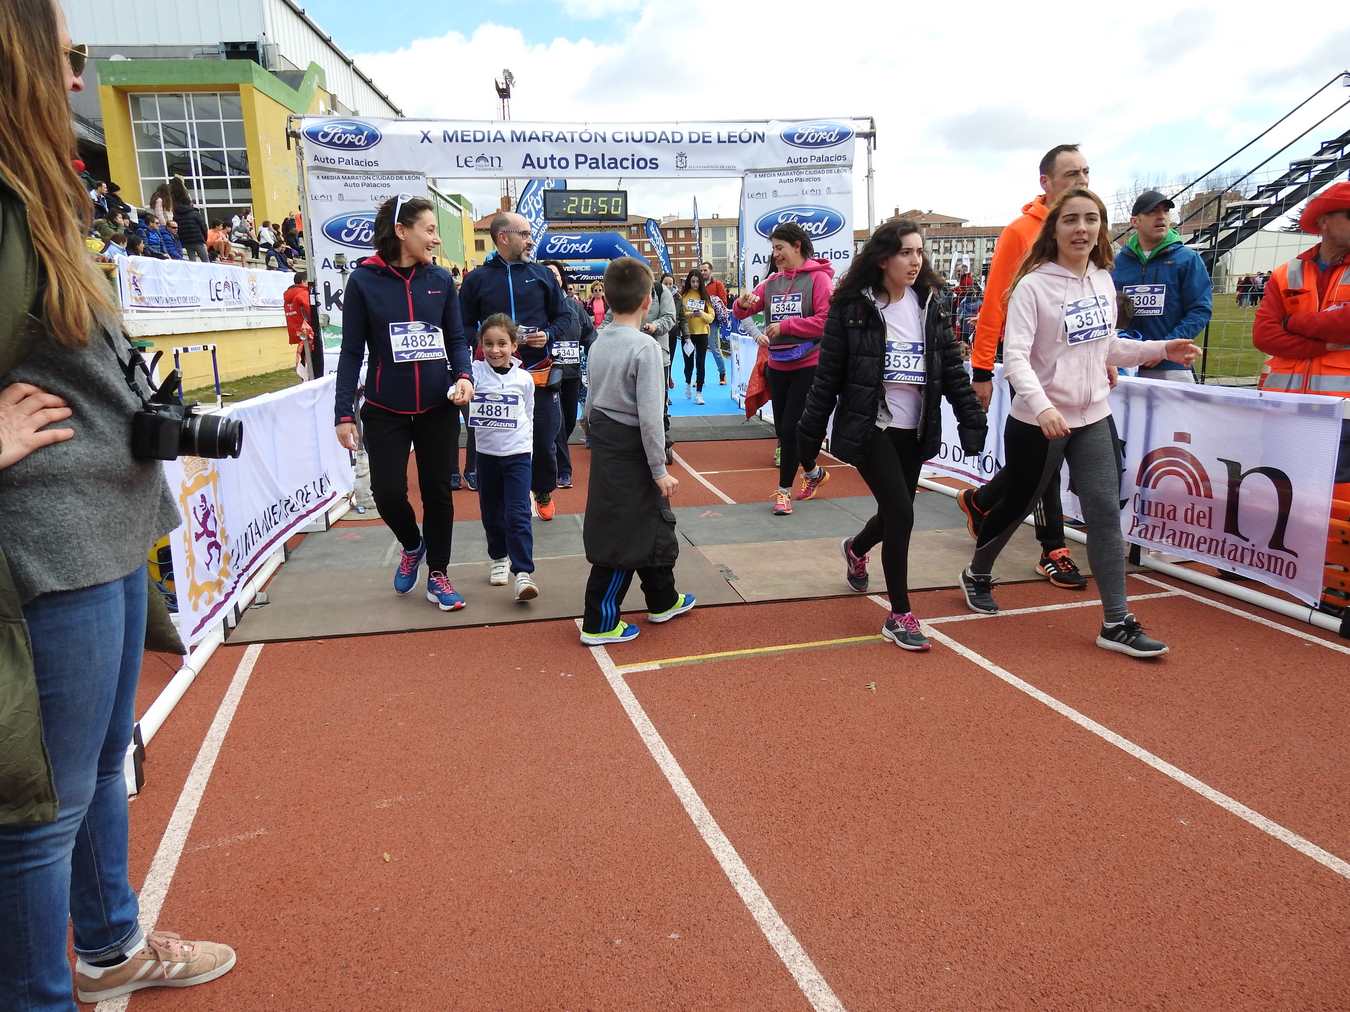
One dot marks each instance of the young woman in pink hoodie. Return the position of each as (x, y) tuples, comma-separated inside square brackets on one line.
[(796, 299), (1058, 341)]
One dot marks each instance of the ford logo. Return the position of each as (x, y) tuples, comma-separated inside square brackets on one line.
[(568, 245), (817, 222), (355, 229), (343, 135), (817, 135)]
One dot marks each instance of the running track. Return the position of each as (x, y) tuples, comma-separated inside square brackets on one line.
[(764, 807)]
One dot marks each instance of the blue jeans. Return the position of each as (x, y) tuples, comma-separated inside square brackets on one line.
[(547, 421), (715, 346), (504, 500), (87, 649)]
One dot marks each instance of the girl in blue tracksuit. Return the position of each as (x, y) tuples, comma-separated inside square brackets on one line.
[(404, 313)]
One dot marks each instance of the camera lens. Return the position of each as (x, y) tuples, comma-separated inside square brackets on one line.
[(213, 436)]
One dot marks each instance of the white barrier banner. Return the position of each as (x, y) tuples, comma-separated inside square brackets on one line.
[(744, 352), (236, 513), (149, 283), (342, 212), (820, 200), (489, 149), (1230, 477)]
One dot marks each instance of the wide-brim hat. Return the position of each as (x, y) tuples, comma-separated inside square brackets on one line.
[(1334, 198)]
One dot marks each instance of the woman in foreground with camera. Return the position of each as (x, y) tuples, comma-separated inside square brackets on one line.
[(78, 513), (404, 311)]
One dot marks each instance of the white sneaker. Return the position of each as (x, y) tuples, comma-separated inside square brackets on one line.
[(526, 588), (500, 572), (698, 398), (688, 391)]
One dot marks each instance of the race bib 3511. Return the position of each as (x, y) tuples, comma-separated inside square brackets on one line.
[(1087, 320)]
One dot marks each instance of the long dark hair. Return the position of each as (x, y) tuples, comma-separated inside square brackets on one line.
[(387, 243), (1046, 247), (866, 275), (692, 275), (178, 192), (794, 235)]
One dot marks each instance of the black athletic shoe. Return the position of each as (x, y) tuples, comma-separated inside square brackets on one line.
[(456, 483), (1059, 568), (1129, 638), (855, 567), (979, 592), (974, 518)]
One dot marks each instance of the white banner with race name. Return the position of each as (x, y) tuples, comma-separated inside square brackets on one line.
[(149, 283), (342, 214), (1230, 477), (491, 149), (819, 200), (236, 513)]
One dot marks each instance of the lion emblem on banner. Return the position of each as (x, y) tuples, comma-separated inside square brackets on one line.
[(136, 283), (205, 543)]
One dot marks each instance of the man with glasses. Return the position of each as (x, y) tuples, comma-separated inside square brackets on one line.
[(549, 336)]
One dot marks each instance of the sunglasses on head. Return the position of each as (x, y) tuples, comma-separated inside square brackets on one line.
[(78, 55)]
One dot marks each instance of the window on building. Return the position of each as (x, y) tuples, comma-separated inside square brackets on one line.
[(480, 245), (199, 136)]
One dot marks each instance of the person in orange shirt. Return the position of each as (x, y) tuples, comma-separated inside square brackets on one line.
[(1063, 167)]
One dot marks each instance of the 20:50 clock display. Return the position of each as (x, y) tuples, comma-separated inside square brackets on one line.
[(586, 205)]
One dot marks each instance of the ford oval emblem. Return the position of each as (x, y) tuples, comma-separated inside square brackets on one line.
[(817, 135), (355, 229), (343, 135), (817, 222)]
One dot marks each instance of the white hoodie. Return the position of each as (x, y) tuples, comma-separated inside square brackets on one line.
[(1043, 367)]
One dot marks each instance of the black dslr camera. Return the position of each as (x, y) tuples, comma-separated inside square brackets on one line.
[(165, 428)]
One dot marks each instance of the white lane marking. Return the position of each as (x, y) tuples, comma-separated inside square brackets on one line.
[(1063, 606), (165, 863), (1231, 609), (813, 985), (702, 480)]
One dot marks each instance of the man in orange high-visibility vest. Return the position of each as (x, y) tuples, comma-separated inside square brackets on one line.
[(1304, 320)]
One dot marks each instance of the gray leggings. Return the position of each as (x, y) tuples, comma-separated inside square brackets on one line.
[(1033, 461)]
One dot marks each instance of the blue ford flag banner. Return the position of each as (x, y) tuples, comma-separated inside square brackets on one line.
[(530, 205), (585, 246), (698, 235), (658, 242)]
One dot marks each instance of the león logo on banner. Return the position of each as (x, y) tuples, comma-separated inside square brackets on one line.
[(204, 540)]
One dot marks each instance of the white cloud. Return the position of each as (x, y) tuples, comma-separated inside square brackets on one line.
[(964, 103), (598, 8)]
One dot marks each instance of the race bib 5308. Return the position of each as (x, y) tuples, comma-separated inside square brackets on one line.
[(1149, 300), (494, 410), (1087, 320), (416, 342), (904, 362)]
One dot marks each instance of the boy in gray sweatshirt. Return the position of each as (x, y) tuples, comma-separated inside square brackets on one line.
[(629, 527)]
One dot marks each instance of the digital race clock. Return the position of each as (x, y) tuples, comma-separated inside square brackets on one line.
[(586, 205)]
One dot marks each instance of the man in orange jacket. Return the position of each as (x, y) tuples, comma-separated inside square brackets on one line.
[(1062, 168), (1303, 323)]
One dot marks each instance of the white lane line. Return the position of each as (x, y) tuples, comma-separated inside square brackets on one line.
[(165, 863), (703, 481), (776, 931), (1229, 609), (1063, 606), (1287, 836)]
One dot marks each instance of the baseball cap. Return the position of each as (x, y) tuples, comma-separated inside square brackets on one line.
[(1149, 201)]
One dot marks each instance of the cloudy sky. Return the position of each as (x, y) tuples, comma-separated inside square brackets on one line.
[(966, 95)]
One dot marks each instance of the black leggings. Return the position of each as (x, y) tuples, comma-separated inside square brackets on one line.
[(699, 356), (569, 395), (388, 437), (890, 466), (787, 393)]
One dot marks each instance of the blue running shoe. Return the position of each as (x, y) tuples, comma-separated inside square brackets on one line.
[(442, 593), (471, 480), (683, 603), (405, 576), (621, 633)]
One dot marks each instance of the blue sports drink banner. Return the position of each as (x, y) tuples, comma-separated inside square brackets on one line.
[(530, 204), (698, 235), (658, 242)]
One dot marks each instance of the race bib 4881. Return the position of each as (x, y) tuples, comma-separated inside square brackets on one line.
[(495, 411)]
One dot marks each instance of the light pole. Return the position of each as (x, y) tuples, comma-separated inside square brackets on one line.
[(504, 95)]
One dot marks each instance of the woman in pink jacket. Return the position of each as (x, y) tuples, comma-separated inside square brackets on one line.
[(796, 300), (1058, 341)]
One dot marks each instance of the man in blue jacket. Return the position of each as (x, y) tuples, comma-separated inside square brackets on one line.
[(1166, 281), (528, 293)]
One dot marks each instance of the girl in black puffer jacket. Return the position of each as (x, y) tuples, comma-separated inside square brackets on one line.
[(191, 222), (886, 360)]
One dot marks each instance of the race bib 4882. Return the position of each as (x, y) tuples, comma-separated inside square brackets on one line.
[(416, 342)]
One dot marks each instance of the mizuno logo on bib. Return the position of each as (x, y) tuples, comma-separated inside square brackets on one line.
[(416, 342), (1087, 320)]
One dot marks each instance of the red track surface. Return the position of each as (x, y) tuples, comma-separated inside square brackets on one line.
[(469, 819)]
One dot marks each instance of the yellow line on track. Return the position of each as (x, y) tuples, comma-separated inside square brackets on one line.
[(721, 655)]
